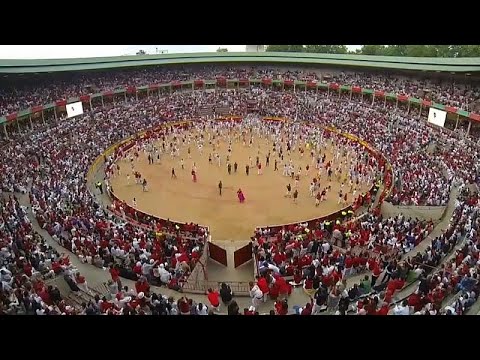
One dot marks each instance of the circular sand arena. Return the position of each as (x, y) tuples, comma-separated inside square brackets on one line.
[(181, 199)]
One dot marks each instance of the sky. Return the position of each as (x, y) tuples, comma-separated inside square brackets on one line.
[(78, 51)]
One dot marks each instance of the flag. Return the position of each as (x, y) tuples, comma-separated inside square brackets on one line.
[(475, 117), (36, 109), (11, 117)]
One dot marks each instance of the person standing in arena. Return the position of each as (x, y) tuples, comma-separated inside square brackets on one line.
[(240, 196), (289, 190), (220, 186), (99, 186), (174, 176)]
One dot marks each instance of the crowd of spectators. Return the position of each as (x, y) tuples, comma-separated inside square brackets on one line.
[(21, 93), (315, 253), (28, 263), (447, 92), (141, 300), (447, 271), (458, 274)]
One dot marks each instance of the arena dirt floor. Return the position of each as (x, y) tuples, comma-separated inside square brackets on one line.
[(183, 200)]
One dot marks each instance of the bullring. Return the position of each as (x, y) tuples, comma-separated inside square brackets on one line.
[(413, 167)]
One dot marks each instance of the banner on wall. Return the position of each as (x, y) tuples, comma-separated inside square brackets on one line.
[(437, 117), (274, 119), (230, 118), (74, 109)]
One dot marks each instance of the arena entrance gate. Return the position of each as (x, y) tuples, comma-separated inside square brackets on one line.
[(242, 255), (217, 253)]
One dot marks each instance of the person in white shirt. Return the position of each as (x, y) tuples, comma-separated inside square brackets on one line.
[(147, 268), (325, 246), (256, 294), (165, 276), (40, 312), (202, 309), (402, 309), (6, 275), (451, 309), (274, 268)]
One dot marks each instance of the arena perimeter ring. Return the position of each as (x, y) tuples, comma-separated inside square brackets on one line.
[(183, 200)]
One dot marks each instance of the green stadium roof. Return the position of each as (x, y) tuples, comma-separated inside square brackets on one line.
[(461, 65)]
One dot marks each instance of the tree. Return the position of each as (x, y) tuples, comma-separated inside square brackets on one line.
[(395, 50), (444, 50), (141, 52), (372, 50), (327, 49), (296, 48), (416, 50), (386, 50), (286, 48), (339, 49), (469, 51), (222, 50), (321, 49), (277, 48)]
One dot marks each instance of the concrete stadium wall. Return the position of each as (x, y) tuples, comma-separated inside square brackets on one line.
[(421, 212)]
